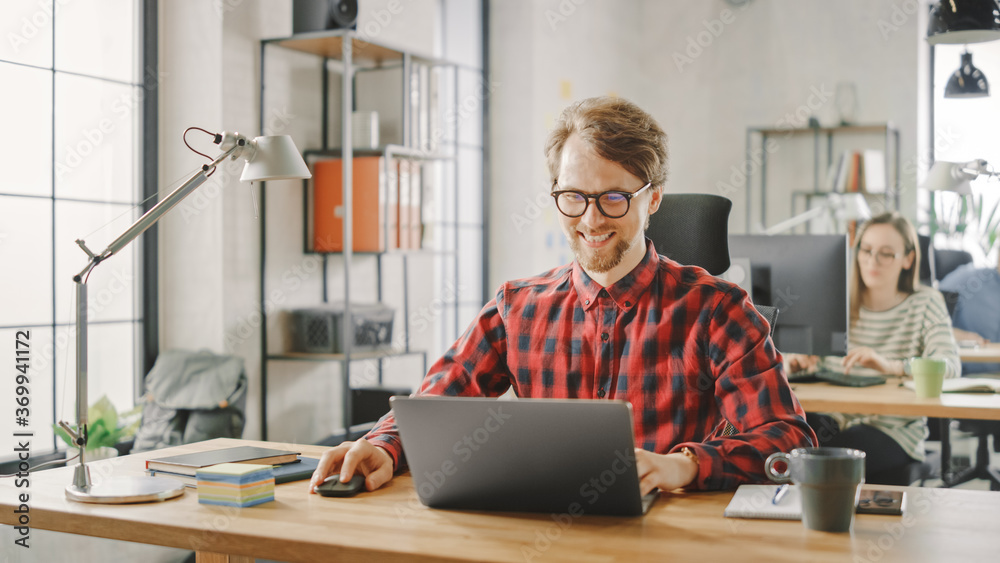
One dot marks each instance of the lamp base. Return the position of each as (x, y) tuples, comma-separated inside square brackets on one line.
[(127, 490)]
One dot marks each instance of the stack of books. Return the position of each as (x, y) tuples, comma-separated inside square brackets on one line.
[(288, 466), (235, 484)]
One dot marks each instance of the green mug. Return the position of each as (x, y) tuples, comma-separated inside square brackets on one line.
[(928, 376)]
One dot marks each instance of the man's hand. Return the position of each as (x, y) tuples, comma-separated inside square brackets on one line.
[(664, 472), (866, 357), (374, 463)]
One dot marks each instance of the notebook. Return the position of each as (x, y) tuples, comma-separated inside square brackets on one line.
[(285, 473), (188, 464), (754, 501), (965, 385), (561, 456)]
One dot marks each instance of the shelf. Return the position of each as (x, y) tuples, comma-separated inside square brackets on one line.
[(814, 193), (392, 252), (317, 357), (877, 128), (392, 150), (329, 44)]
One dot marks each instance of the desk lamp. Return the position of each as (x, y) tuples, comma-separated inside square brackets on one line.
[(267, 158), (836, 206), (956, 176)]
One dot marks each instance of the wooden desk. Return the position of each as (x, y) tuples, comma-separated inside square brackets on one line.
[(391, 525), (989, 353), (891, 399), (895, 400)]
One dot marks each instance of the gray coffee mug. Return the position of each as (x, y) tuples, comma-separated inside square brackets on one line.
[(829, 482)]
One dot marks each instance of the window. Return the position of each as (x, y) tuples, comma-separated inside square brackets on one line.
[(965, 129), (71, 152)]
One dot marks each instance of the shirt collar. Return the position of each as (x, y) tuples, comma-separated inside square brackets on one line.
[(626, 291)]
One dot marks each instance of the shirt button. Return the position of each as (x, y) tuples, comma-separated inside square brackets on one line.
[(628, 303), (586, 301), (600, 392), (604, 336)]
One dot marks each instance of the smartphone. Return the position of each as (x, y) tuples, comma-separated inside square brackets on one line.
[(332, 487), (880, 501)]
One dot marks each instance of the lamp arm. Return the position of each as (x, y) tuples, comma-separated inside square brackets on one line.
[(159, 210), (148, 219), (799, 219)]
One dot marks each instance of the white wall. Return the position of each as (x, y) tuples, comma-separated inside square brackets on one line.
[(706, 70)]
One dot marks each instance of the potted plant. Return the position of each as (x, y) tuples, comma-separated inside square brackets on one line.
[(965, 217), (106, 428)]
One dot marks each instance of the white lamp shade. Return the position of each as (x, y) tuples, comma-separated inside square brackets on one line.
[(275, 158), (849, 207), (949, 177)]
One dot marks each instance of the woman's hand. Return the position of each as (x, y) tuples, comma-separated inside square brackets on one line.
[(799, 362), (866, 357)]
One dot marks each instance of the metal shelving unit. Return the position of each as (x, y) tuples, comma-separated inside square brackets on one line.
[(756, 143), (354, 55)]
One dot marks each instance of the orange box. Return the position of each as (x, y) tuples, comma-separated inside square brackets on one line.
[(368, 229)]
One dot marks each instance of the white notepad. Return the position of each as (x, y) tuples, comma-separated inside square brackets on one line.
[(754, 501)]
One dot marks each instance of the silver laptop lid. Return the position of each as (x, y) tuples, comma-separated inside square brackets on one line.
[(565, 456)]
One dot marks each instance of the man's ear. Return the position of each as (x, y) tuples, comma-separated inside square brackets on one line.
[(655, 200)]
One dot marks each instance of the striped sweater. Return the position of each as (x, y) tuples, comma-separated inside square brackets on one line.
[(919, 326)]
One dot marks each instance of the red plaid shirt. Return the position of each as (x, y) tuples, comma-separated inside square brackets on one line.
[(686, 349)]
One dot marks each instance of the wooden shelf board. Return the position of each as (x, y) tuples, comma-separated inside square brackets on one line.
[(317, 357)]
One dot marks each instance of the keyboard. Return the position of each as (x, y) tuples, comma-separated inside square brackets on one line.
[(836, 378)]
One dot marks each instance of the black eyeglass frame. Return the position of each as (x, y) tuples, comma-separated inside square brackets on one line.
[(597, 198)]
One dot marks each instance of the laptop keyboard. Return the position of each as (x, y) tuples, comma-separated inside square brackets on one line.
[(835, 378)]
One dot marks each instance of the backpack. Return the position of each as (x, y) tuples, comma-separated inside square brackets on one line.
[(190, 397)]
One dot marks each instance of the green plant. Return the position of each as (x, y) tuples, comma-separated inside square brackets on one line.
[(968, 216), (105, 427)]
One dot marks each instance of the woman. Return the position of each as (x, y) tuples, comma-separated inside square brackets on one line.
[(893, 318)]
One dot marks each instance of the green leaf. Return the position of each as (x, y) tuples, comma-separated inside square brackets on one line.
[(104, 426)]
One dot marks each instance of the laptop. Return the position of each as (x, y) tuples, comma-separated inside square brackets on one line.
[(564, 456)]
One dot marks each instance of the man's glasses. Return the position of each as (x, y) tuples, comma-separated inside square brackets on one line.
[(882, 257), (612, 204)]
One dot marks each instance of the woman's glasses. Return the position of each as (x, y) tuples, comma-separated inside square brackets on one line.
[(883, 257)]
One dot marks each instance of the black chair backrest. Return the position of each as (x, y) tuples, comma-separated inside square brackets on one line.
[(927, 276), (693, 229), (945, 261)]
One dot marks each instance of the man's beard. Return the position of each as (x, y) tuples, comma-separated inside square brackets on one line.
[(598, 261), (594, 262)]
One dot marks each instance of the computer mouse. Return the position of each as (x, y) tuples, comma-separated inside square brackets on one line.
[(332, 487)]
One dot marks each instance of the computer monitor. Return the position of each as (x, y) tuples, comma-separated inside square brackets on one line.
[(805, 277)]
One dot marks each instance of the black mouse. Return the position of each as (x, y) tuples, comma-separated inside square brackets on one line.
[(332, 487)]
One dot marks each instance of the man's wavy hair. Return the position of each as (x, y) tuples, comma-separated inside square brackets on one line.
[(619, 131)]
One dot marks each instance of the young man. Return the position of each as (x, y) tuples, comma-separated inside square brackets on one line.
[(687, 350)]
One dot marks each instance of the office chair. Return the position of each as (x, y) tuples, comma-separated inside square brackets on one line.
[(693, 229), (927, 276), (946, 261)]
